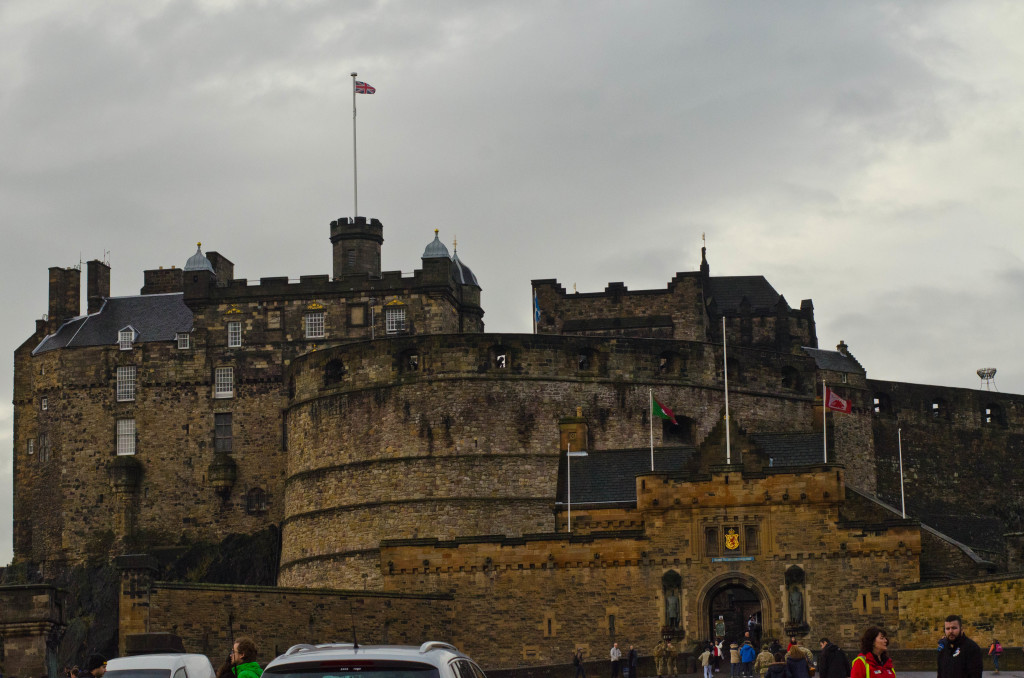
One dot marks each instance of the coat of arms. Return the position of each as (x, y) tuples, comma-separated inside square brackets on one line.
[(732, 539)]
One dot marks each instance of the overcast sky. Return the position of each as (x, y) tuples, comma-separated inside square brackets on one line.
[(866, 155)]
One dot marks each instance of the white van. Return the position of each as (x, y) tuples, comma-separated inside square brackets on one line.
[(178, 665)]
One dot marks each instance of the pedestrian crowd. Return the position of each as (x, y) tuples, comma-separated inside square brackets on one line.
[(958, 656)]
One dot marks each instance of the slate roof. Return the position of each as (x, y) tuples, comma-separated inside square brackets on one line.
[(833, 360), (728, 291), (435, 249), (609, 476), (791, 449), (154, 317), (462, 273)]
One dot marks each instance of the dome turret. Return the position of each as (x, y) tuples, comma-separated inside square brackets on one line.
[(463, 274), (436, 249), (198, 262)]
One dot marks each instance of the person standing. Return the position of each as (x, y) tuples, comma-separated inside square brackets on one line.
[(873, 660), (747, 655), (670, 658), (243, 659), (95, 666), (833, 662), (719, 654), (705, 660), (734, 660), (633, 661), (615, 654), (764, 660), (994, 651), (577, 661), (778, 668), (796, 663), (659, 657), (959, 656)]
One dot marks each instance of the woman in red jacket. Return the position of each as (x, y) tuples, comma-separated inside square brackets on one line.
[(873, 660)]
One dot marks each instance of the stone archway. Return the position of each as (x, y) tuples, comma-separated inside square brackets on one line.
[(743, 595)]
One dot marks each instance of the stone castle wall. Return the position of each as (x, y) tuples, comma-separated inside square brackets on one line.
[(991, 607), (457, 446), (531, 600)]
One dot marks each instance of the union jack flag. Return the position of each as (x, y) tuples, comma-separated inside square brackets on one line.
[(363, 88)]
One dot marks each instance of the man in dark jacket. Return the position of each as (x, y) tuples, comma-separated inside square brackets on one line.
[(833, 662), (959, 656)]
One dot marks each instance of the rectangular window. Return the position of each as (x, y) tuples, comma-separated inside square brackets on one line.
[(750, 542), (44, 404), (44, 448), (351, 258), (30, 446), (125, 338), (224, 382), (125, 383), (234, 334), (222, 432), (315, 325), (711, 545), (357, 315), (125, 437), (183, 340), (394, 320)]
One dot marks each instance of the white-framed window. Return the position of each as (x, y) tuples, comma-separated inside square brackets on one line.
[(234, 334), (30, 447), (394, 319), (183, 341), (125, 339), (315, 325), (44, 404), (125, 437), (125, 383), (224, 382)]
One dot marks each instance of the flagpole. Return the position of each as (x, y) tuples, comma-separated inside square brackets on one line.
[(899, 441), (355, 165), (824, 420), (568, 482), (725, 364), (651, 407)]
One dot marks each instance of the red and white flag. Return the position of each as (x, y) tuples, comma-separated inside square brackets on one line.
[(834, 402), (363, 88)]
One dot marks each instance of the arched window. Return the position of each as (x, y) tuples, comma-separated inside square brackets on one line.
[(499, 358), (585, 360), (409, 360)]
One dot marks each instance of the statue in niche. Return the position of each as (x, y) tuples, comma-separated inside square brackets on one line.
[(796, 605), (672, 609)]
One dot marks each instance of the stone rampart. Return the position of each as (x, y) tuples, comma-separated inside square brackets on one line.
[(991, 607)]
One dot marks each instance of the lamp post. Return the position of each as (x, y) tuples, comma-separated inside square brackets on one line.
[(569, 454)]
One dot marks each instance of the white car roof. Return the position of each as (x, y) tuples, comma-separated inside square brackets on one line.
[(195, 665), (431, 652)]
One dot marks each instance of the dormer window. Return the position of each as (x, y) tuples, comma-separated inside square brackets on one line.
[(125, 338)]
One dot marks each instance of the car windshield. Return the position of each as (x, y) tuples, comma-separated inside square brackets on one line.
[(361, 668), (139, 673)]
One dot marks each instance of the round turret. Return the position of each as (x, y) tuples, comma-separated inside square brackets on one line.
[(436, 249)]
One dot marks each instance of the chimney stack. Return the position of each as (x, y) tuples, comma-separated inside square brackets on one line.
[(65, 296), (97, 284)]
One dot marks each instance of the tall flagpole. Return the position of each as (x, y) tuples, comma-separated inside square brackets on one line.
[(725, 364), (824, 420), (650, 406), (568, 481), (899, 441), (355, 166)]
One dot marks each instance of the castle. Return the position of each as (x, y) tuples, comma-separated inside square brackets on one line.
[(419, 465)]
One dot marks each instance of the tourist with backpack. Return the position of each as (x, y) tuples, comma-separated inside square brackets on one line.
[(994, 651)]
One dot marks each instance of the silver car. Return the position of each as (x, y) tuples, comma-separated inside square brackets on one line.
[(432, 659)]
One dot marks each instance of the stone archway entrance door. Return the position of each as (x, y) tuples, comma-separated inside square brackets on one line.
[(734, 603)]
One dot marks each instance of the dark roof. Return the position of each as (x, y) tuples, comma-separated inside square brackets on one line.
[(463, 274), (791, 449), (833, 360), (154, 317), (609, 476), (728, 291)]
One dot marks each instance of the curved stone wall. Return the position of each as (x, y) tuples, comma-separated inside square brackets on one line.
[(431, 437)]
